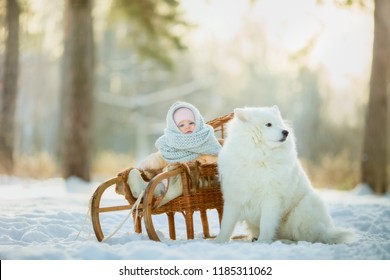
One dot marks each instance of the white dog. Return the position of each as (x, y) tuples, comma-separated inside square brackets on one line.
[(264, 184)]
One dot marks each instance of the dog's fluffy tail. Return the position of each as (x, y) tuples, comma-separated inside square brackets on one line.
[(338, 235)]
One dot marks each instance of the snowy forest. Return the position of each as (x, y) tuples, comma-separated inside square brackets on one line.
[(85, 85)]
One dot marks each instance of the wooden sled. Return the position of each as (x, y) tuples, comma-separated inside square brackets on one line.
[(201, 192)]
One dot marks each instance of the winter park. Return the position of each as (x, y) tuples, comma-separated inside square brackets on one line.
[(204, 133)]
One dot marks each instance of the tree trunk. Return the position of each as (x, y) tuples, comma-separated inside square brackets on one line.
[(374, 162), (10, 90), (77, 89)]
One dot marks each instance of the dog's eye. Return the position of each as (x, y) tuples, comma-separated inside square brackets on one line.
[(268, 124)]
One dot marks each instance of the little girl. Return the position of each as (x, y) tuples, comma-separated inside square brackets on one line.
[(186, 138)]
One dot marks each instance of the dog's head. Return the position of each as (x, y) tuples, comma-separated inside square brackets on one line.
[(264, 124)]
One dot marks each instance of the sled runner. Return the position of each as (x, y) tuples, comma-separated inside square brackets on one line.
[(201, 192)]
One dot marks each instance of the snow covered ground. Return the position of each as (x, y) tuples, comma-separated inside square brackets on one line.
[(42, 219)]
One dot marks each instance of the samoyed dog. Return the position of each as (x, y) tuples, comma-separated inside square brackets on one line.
[(264, 185)]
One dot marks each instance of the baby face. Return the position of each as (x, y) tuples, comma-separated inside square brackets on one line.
[(186, 126)]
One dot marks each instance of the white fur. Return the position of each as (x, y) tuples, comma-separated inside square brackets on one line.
[(264, 184)]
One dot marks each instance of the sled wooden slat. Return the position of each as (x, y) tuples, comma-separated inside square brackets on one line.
[(201, 192), (114, 208)]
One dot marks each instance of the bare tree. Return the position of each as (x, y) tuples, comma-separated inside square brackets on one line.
[(374, 162), (77, 88), (11, 69)]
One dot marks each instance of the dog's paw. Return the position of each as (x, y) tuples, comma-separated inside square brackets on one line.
[(264, 240)]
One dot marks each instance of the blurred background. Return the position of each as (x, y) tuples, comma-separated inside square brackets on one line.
[(311, 58)]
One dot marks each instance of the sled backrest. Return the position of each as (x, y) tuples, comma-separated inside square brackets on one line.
[(219, 125)]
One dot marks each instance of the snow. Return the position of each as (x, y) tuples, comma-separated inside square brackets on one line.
[(46, 220)]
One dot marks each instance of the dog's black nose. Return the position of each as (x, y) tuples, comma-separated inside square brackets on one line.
[(285, 133)]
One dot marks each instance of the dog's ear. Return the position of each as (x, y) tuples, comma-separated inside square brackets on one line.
[(276, 109), (241, 114)]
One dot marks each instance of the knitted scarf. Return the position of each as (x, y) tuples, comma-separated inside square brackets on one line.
[(175, 146)]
